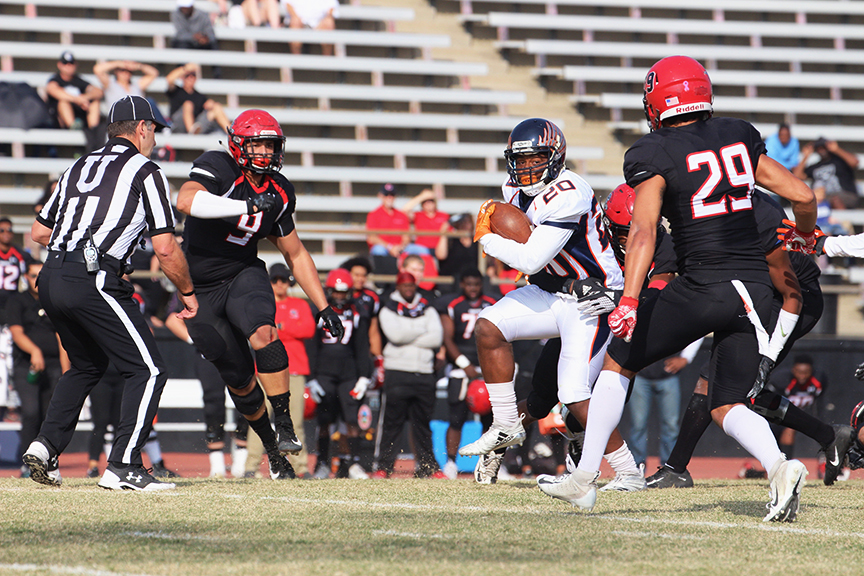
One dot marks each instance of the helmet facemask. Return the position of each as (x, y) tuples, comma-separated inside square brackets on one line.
[(259, 162)]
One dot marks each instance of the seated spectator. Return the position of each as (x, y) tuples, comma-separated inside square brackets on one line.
[(315, 14), (253, 13), (421, 266), (783, 147), (72, 101), (834, 171), (116, 79), (193, 112), (384, 248), (414, 333), (427, 219), (455, 254), (192, 28)]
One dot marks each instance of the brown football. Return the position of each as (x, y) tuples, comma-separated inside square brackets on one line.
[(510, 222)]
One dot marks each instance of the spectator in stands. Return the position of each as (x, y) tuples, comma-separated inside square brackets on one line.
[(244, 13), (455, 254), (414, 333), (315, 14), (427, 219), (294, 325), (193, 112), (658, 381), (116, 79), (421, 267), (192, 28), (39, 358), (385, 248), (834, 171), (74, 102), (783, 147)]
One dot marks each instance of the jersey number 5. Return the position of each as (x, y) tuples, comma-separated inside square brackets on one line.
[(742, 178), (248, 223)]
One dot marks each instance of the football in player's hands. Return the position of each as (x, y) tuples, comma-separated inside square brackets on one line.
[(261, 203), (510, 222)]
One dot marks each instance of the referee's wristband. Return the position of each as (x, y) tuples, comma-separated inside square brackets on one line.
[(187, 294), (462, 362)]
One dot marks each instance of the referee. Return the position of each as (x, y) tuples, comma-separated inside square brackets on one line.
[(90, 225)]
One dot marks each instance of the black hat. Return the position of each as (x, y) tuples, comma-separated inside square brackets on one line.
[(820, 142), (67, 57), (388, 189), (132, 108), (281, 271)]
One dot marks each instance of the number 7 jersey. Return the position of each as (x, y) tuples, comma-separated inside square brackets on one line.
[(217, 249), (709, 168)]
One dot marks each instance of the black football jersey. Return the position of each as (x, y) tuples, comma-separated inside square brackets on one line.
[(367, 302), (709, 168), (348, 357), (13, 263), (769, 217), (217, 249), (464, 313)]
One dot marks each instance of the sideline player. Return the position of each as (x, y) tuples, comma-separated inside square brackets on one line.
[(459, 313), (234, 199), (698, 172), (796, 308), (566, 245)]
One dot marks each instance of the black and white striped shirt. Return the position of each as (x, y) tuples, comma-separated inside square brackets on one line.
[(116, 192)]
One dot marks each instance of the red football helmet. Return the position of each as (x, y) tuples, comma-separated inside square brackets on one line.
[(256, 126), (309, 405), (676, 85), (617, 213), (477, 398), (857, 416), (338, 287)]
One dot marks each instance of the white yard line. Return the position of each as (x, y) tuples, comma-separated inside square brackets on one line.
[(408, 534), (59, 569)]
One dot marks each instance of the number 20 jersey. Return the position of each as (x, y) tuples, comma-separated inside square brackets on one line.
[(217, 249), (569, 202), (709, 168)]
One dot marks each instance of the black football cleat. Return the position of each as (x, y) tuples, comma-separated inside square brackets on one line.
[(287, 438), (835, 452), (665, 477), (280, 467)]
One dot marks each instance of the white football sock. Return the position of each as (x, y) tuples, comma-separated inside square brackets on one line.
[(753, 433), (217, 463), (502, 396), (238, 462), (604, 414), (622, 461)]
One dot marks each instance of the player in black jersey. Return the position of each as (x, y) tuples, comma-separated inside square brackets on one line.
[(459, 313), (234, 200), (340, 372), (796, 308), (13, 263), (698, 172), (368, 300)]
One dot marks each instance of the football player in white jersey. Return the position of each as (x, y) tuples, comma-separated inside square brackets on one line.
[(566, 248)]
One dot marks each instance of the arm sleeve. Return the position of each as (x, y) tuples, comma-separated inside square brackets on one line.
[(690, 351), (543, 245), (850, 246)]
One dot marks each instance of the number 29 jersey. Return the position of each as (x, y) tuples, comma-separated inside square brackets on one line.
[(709, 168), (217, 249)]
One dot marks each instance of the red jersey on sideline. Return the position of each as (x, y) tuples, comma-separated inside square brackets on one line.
[(294, 323)]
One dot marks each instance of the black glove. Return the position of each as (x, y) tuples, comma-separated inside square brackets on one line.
[(859, 372), (261, 203), (594, 298), (332, 322), (820, 248), (765, 368)]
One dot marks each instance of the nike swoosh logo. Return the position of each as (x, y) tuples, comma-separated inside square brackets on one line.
[(836, 460), (782, 333)]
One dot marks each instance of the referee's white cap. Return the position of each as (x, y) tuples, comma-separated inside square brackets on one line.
[(132, 108)]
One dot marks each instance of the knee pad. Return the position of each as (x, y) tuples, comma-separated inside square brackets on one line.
[(272, 358), (215, 433), (249, 404), (770, 405)]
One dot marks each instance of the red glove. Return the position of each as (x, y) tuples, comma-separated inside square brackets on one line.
[(796, 241), (622, 320), (378, 374)]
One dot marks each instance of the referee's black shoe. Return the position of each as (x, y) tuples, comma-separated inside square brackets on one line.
[(43, 468), (280, 467), (286, 437), (132, 478)]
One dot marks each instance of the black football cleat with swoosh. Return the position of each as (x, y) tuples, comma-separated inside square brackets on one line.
[(835, 452)]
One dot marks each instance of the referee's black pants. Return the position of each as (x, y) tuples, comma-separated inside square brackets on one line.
[(407, 395), (97, 319)]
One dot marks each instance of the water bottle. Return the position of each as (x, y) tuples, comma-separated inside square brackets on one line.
[(32, 376)]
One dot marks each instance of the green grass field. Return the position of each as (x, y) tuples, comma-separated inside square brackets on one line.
[(405, 526)]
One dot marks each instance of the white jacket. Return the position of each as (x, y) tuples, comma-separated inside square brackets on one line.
[(414, 334)]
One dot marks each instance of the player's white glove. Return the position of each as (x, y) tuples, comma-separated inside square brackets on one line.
[(316, 391), (360, 388), (594, 298), (622, 320)]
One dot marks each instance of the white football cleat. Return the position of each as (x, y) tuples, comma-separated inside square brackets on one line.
[(486, 470), (43, 468), (495, 438), (579, 488), (787, 478), (132, 478), (356, 472), (625, 483), (451, 471)]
